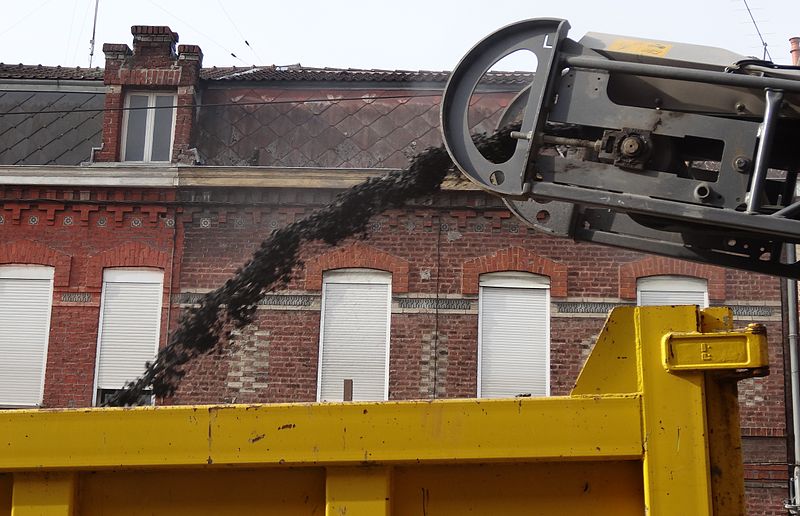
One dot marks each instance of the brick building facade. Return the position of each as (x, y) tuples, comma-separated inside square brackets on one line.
[(253, 149)]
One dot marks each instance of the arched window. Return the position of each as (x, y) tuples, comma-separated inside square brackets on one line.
[(129, 328), (354, 334), (513, 335), (26, 300), (672, 290)]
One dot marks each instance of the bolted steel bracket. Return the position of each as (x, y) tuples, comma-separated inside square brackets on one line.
[(744, 352)]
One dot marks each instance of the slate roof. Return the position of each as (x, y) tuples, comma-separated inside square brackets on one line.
[(328, 126), (325, 123), (65, 137), (264, 73)]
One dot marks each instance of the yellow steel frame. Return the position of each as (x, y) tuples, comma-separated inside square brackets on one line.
[(643, 429)]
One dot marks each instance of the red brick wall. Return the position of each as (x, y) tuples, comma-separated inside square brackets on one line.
[(741, 285), (765, 500), (762, 399), (80, 238), (419, 360), (571, 341), (273, 360)]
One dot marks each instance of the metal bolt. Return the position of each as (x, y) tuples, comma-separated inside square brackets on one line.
[(741, 164), (702, 191), (632, 146), (740, 107)]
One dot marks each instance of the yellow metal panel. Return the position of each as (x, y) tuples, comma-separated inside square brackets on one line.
[(486, 430), (358, 491), (103, 437), (44, 494), (196, 492), (716, 318), (611, 367), (676, 467), (541, 489), (520, 429)]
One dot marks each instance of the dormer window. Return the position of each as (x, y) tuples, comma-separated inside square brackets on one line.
[(148, 123)]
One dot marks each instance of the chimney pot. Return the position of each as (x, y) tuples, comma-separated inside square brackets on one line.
[(795, 51)]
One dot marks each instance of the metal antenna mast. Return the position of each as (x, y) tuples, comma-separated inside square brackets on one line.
[(94, 29), (758, 31)]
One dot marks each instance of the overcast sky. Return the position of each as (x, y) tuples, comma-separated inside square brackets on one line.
[(412, 34)]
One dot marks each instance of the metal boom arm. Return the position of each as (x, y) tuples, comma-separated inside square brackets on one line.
[(661, 147)]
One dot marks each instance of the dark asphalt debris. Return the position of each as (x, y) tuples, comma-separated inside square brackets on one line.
[(232, 305)]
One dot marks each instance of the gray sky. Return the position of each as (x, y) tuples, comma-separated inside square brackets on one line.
[(412, 34)]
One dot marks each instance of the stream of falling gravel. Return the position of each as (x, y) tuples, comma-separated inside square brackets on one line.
[(204, 326)]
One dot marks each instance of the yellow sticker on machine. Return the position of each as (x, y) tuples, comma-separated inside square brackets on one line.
[(640, 47)]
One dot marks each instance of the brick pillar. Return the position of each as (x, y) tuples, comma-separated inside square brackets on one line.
[(116, 55), (190, 58), (152, 65)]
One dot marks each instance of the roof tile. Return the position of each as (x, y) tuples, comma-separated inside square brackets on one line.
[(20, 71)]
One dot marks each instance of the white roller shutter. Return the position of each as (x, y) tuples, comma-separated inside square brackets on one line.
[(130, 321), (514, 335), (26, 298), (354, 337), (672, 290)]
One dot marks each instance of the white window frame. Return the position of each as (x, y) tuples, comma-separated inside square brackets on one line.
[(127, 275), (149, 124), (35, 272), (351, 276), (513, 279), (671, 283)]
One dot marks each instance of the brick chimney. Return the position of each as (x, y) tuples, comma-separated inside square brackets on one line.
[(152, 67), (795, 51)]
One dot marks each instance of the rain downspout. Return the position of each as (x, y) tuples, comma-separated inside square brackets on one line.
[(793, 505), (791, 311)]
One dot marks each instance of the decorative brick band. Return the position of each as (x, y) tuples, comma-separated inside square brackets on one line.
[(659, 265), (586, 307), (293, 300), (514, 259), (430, 303), (76, 297), (357, 255), (132, 254), (28, 252)]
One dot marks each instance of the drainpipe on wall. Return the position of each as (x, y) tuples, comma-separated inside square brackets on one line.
[(793, 504)]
